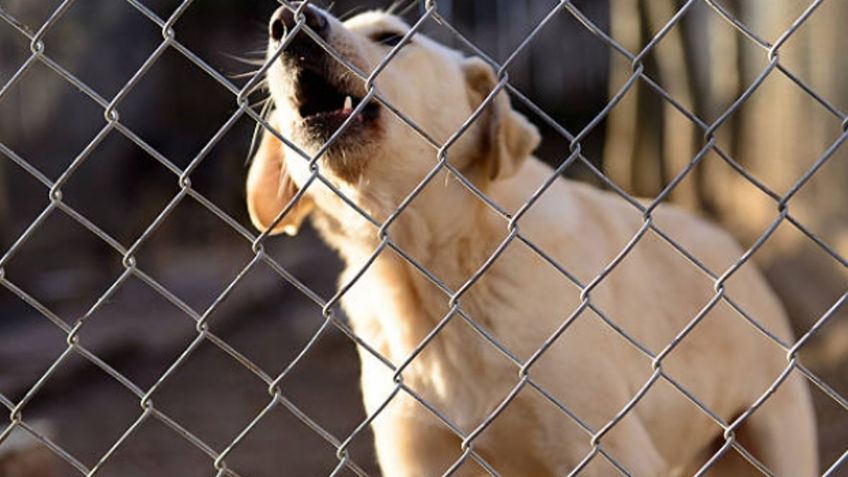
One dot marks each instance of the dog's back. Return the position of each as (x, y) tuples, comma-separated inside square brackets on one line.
[(655, 295)]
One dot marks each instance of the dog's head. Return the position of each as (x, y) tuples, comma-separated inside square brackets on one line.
[(378, 159)]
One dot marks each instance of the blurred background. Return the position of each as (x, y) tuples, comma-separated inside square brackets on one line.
[(705, 63)]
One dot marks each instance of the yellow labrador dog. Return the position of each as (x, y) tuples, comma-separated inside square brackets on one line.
[(521, 300)]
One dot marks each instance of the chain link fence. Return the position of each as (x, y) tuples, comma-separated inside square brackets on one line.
[(432, 13)]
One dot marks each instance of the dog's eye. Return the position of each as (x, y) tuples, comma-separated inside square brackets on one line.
[(389, 38)]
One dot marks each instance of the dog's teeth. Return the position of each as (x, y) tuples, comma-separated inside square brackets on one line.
[(348, 104)]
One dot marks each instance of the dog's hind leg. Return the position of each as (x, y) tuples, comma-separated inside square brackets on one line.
[(781, 435)]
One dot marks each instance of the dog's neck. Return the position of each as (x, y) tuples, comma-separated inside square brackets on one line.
[(451, 250)]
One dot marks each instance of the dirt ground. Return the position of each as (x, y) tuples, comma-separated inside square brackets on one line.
[(85, 411)]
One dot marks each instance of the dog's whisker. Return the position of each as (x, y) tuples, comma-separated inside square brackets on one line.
[(246, 74), (241, 75), (260, 51), (353, 11), (264, 113), (394, 6), (406, 9), (391, 8), (246, 61), (261, 102), (281, 184)]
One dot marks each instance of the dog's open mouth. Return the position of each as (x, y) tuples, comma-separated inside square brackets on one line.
[(324, 107)]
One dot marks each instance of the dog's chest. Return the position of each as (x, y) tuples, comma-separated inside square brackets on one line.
[(451, 373)]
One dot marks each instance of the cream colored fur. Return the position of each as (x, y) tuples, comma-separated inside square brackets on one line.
[(521, 300)]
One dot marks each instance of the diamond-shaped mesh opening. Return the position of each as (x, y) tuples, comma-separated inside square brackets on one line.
[(822, 348), (780, 138), (212, 178), (831, 419), (30, 14), (155, 448), (742, 445), (335, 404), (211, 380), (271, 333), (138, 332), (79, 394), (445, 448), (103, 43), (42, 96), (71, 285), (251, 35), (26, 454), (22, 326), (141, 194), (807, 63), (467, 266), (761, 27), (30, 197), (150, 108), (526, 407), (16, 51), (652, 253), (809, 196), (558, 290), (696, 346), (202, 235), (309, 265), (643, 163), (280, 440), (162, 8), (790, 260), (631, 430), (589, 325)]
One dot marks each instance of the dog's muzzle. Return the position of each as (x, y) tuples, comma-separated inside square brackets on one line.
[(323, 93), (283, 21)]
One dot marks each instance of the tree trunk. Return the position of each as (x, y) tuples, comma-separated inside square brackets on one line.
[(777, 135), (783, 132)]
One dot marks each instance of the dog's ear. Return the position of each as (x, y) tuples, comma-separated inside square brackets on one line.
[(270, 188), (509, 137)]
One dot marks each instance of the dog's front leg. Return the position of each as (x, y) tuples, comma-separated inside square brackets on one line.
[(408, 446)]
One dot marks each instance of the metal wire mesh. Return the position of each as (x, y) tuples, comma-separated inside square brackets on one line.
[(430, 12)]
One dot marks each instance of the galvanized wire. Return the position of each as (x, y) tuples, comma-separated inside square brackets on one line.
[(431, 12)]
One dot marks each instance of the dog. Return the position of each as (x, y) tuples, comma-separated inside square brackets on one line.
[(458, 279)]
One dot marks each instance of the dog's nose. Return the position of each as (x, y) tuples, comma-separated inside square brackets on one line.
[(284, 20)]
